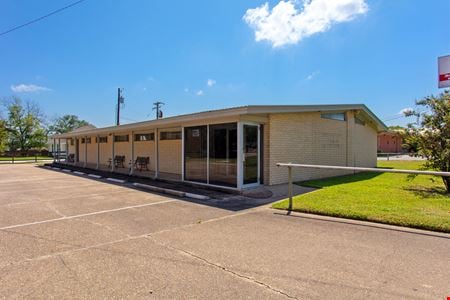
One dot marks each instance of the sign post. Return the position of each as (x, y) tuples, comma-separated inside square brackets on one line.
[(444, 71)]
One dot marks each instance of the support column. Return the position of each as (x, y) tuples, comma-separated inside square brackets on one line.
[(207, 154), (85, 152), (182, 153), (132, 154), (59, 150), (156, 153), (240, 150), (98, 152), (77, 151), (54, 150), (113, 167)]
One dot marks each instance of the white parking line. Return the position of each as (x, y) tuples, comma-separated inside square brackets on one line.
[(86, 215)]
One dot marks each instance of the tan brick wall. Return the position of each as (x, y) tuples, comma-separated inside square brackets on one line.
[(146, 149), (80, 150), (92, 151), (365, 146), (105, 151), (170, 156), (309, 139), (70, 148), (123, 148)]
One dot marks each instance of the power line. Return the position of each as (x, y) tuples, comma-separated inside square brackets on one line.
[(41, 18)]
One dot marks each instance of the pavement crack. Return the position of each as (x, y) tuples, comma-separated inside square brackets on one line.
[(74, 274), (225, 269)]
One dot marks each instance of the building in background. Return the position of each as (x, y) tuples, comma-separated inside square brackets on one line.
[(390, 142)]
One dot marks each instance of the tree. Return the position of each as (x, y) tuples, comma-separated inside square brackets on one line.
[(24, 125), (432, 133), (3, 136), (66, 124)]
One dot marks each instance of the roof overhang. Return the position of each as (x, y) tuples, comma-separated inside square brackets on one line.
[(229, 112)]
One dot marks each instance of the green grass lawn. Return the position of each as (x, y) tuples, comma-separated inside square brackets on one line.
[(380, 197), (2, 158)]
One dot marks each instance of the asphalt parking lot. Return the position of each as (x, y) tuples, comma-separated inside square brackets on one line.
[(69, 236)]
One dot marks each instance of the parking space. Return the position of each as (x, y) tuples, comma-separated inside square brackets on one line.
[(69, 236)]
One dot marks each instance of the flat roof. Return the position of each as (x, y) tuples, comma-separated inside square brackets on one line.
[(228, 112)]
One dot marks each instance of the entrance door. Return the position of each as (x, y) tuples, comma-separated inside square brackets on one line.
[(250, 154), (196, 154)]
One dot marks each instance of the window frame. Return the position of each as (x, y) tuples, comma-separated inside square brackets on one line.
[(138, 137), (118, 138), (170, 135), (333, 116)]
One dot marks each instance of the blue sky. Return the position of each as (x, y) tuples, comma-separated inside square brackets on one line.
[(383, 53)]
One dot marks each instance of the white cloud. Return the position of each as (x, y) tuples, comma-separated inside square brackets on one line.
[(28, 88), (200, 93), (285, 24), (312, 75), (186, 90), (210, 82)]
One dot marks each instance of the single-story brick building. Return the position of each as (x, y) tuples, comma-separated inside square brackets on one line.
[(235, 147), (390, 142)]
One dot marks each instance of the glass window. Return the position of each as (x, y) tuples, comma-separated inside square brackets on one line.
[(88, 140), (121, 138), (103, 139), (170, 135), (334, 116), (223, 154), (142, 137), (83, 140), (251, 156), (195, 154)]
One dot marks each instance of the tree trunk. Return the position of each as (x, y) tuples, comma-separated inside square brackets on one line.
[(447, 183)]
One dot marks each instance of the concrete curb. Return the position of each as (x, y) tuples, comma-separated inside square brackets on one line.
[(198, 197), (115, 180), (95, 176), (366, 223), (78, 173), (66, 170), (159, 190)]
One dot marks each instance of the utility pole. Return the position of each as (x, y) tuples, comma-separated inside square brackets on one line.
[(157, 106), (120, 100)]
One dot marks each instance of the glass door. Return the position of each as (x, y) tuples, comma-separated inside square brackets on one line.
[(250, 154), (195, 154)]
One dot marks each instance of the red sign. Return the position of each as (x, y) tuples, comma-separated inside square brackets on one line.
[(444, 77), (444, 71)]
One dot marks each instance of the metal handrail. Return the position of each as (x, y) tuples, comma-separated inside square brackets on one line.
[(378, 170)]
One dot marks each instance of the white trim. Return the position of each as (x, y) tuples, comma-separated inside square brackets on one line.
[(59, 150), (231, 112), (207, 153), (85, 152), (112, 153), (98, 152), (182, 154), (132, 153), (240, 162), (249, 185), (156, 153)]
